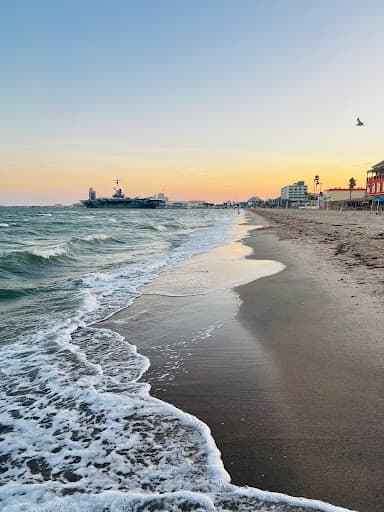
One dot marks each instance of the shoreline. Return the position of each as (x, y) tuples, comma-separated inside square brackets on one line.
[(240, 390)]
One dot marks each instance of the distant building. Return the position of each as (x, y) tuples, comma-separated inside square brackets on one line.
[(196, 202), (91, 194), (375, 181), (344, 194), (296, 193), (255, 201), (272, 203)]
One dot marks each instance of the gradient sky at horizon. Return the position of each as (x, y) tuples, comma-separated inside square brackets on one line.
[(204, 99)]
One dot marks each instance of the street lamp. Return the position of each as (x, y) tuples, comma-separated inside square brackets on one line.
[(316, 181)]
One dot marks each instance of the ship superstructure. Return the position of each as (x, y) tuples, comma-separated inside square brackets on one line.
[(118, 200)]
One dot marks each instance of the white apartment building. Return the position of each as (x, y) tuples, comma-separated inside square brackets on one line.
[(295, 193)]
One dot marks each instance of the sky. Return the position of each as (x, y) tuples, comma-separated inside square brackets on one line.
[(199, 99)]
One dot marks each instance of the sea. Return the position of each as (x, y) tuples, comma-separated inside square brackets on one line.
[(79, 429)]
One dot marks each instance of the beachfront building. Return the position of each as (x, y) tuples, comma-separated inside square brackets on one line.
[(375, 181), (344, 194), (295, 194), (337, 198)]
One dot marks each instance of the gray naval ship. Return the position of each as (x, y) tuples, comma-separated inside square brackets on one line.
[(118, 200)]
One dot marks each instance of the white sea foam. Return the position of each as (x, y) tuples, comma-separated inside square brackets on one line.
[(4, 225), (49, 252), (95, 236), (83, 422)]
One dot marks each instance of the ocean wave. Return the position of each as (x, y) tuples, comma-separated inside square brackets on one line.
[(26, 261), (169, 226), (28, 291), (49, 252), (4, 225), (95, 239), (7, 294), (95, 236), (153, 227)]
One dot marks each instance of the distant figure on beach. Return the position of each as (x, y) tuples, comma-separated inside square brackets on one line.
[(359, 123)]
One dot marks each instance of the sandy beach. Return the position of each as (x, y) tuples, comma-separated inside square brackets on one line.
[(325, 338), (352, 242), (284, 367)]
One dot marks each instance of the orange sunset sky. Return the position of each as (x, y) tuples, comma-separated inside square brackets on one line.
[(200, 100)]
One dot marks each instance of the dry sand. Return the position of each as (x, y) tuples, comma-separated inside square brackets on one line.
[(352, 242)]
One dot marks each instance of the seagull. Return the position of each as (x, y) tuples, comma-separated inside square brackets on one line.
[(359, 123)]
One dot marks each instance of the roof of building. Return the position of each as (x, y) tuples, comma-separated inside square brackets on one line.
[(339, 188), (380, 165)]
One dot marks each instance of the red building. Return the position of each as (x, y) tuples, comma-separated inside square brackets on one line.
[(375, 181)]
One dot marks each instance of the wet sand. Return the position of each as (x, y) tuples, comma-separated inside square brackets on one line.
[(286, 370)]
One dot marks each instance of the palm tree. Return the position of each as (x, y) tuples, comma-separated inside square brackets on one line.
[(352, 185)]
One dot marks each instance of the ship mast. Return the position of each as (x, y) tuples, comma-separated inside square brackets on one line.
[(118, 192)]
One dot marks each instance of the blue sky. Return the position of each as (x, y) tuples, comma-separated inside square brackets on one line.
[(186, 82)]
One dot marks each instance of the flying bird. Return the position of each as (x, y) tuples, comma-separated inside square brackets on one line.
[(359, 123)]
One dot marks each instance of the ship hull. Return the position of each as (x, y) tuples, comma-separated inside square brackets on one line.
[(122, 203)]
